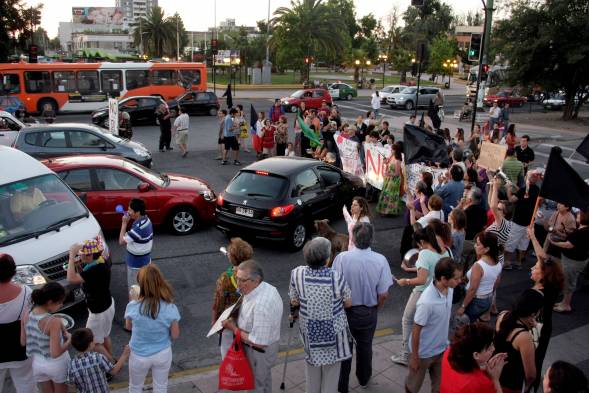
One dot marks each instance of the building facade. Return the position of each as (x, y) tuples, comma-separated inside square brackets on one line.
[(135, 9)]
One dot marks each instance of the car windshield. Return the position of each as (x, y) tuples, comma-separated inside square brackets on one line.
[(160, 179), (111, 137), (387, 89), (252, 184), (35, 206), (298, 94), (409, 90)]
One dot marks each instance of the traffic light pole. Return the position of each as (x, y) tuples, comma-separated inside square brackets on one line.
[(479, 75)]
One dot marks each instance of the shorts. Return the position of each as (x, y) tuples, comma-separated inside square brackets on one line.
[(231, 143), (518, 239), (51, 369), (219, 141), (132, 276), (182, 137), (572, 270), (101, 323)]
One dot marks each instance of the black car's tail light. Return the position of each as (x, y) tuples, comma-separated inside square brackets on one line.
[(281, 211)]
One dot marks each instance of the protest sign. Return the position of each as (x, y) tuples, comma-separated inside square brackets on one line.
[(113, 116), (492, 156), (348, 151), (375, 156), (414, 174)]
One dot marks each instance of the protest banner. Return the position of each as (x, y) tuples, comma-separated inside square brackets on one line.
[(414, 174), (349, 155), (492, 156), (113, 116), (375, 156)]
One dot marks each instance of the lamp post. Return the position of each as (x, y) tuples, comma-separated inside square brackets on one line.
[(383, 58), (450, 65)]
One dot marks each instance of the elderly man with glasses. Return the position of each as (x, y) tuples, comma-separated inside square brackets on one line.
[(258, 322)]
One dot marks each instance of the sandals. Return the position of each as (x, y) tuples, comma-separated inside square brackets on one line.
[(560, 308)]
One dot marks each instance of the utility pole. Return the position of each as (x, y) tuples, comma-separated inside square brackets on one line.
[(191, 46), (487, 7), (177, 38), (214, 36), (141, 37), (268, 35)]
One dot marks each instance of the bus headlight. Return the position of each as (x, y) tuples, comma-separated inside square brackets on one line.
[(29, 275)]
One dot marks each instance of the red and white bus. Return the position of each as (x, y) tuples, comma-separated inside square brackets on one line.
[(72, 87)]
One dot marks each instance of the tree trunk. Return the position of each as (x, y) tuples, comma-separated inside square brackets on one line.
[(569, 104), (403, 76), (356, 74)]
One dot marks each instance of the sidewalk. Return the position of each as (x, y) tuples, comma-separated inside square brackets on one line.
[(572, 346)]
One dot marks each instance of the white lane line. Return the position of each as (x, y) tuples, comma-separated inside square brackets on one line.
[(570, 161), (368, 106), (562, 147)]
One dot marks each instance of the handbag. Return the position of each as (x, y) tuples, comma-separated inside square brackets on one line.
[(235, 372)]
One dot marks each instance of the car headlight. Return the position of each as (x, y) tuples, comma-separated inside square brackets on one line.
[(208, 195), (141, 152), (29, 275)]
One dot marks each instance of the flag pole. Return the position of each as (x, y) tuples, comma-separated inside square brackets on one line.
[(533, 220)]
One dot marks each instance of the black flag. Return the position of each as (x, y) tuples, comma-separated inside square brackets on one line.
[(583, 148), (421, 145), (253, 118), (562, 183)]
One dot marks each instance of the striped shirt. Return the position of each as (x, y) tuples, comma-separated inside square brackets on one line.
[(37, 341), (502, 231), (139, 242), (87, 372), (182, 122)]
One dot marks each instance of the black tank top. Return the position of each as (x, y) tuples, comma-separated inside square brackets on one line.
[(513, 373), (12, 351)]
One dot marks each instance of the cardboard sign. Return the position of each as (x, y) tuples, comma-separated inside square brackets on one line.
[(375, 157), (414, 175), (349, 155), (492, 156), (113, 116)]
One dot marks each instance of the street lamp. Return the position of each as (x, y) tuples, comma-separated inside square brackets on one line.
[(449, 66), (383, 58)]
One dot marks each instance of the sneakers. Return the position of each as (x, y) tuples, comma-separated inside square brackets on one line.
[(224, 162), (236, 162), (162, 150), (169, 148), (401, 358)]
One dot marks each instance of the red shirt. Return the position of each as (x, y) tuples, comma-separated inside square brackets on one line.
[(268, 138), (455, 382)]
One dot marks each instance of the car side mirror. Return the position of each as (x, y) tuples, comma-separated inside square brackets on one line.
[(143, 187)]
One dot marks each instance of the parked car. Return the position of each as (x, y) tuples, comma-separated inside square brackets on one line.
[(504, 97), (311, 97), (9, 127), (197, 103), (554, 103), (342, 91), (180, 202), (387, 91), (140, 108), (407, 98), (10, 104), (279, 198), (66, 139)]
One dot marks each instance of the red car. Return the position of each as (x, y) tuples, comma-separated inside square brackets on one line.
[(178, 201), (311, 97), (505, 97)]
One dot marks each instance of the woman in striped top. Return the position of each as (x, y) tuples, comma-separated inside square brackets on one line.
[(46, 339)]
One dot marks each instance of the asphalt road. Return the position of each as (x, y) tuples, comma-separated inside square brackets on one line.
[(192, 263)]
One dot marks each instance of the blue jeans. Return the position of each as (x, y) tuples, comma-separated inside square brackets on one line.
[(478, 307)]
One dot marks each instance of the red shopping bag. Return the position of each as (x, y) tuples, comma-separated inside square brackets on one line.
[(235, 372)]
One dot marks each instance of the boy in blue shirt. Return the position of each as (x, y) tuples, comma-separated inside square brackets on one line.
[(139, 239)]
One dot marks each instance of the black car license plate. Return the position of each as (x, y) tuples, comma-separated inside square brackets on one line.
[(242, 211)]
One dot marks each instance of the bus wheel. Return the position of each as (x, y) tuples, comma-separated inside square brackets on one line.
[(46, 101)]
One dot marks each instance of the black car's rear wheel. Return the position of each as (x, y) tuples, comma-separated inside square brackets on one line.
[(297, 237), (183, 220)]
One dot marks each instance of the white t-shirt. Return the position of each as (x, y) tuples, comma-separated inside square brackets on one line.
[(182, 122), (495, 112), (431, 215), (375, 102)]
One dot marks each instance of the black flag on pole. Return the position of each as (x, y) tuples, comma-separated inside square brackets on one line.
[(563, 184), (420, 145), (253, 117), (583, 148)]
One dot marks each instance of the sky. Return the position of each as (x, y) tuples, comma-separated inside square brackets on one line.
[(245, 12)]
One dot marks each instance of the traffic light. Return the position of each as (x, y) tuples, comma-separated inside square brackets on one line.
[(214, 48), (475, 47), (33, 51), (485, 68)]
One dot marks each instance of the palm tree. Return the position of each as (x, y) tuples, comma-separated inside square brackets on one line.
[(310, 26), (156, 32)]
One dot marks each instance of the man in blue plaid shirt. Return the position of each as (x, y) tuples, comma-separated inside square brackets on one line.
[(88, 370)]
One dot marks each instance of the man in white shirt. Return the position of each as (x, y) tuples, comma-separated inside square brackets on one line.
[(494, 114), (181, 126), (258, 323)]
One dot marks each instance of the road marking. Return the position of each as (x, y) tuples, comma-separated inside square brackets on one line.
[(562, 147), (201, 370), (570, 161), (382, 109)]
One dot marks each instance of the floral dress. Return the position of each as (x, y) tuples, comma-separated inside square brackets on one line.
[(390, 197)]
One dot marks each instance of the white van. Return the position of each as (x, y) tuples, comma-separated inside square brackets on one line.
[(40, 218)]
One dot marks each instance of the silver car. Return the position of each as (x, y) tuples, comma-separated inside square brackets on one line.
[(387, 91), (407, 98)]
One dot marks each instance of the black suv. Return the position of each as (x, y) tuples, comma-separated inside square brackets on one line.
[(279, 198), (197, 103), (141, 109)]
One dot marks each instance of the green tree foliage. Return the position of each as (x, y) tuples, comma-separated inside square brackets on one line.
[(441, 49), (158, 33), (547, 43), (17, 22), (306, 28), (401, 58)]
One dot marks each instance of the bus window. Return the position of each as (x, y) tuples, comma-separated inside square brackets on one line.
[(10, 83), (37, 82), (163, 77), (88, 82), (189, 77), (137, 78), (64, 81), (111, 81)]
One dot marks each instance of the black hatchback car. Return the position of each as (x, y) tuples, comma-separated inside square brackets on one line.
[(141, 109), (197, 103), (279, 198)]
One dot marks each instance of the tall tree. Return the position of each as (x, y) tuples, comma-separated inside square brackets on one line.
[(181, 40), (155, 32), (547, 43), (441, 49), (16, 25)]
